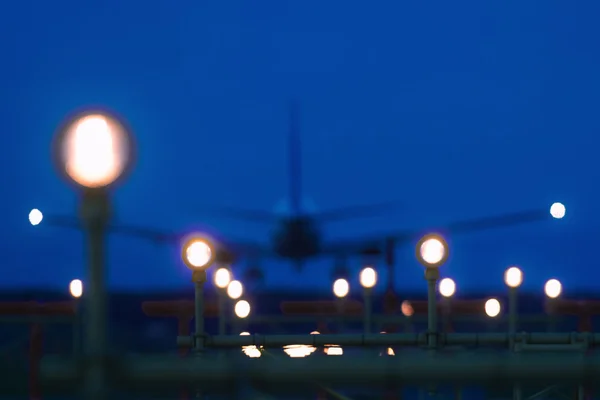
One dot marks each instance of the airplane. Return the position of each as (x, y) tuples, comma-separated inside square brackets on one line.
[(297, 237)]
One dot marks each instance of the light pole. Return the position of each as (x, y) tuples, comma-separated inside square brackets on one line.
[(93, 150), (341, 288), (447, 288), (222, 279), (198, 255), (432, 252), (76, 291), (513, 277), (552, 290), (368, 280)]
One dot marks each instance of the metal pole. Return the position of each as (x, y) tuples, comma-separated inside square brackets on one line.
[(512, 310), (95, 213), (222, 314), (77, 329), (199, 278), (368, 310), (432, 275)]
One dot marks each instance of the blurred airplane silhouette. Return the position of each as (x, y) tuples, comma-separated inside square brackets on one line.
[(297, 236)]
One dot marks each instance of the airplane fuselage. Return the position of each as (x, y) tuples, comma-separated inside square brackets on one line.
[(296, 238)]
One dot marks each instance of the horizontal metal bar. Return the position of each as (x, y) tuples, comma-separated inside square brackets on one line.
[(33, 319), (394, 339), (410, 368)]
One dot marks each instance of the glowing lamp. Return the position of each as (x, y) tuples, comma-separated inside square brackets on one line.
[(198, 253), (76, 288), (222, 278), (93, 149), (242, 309), (432, 251), (553, 288), (235, 290), (513, 277), (447, 287), (368, 278), (341, 288), (558, 210), (492, 308), (35, 217)]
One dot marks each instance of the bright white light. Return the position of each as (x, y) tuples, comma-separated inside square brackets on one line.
[(298, 350), (95, 151), (333, 350), (447, 287), (235, 290), (432, 251), (242, 309), (553, 288), (492, 308), (341, 288), (198, 253), (251, 351), (558, 210), (35, 217), (368, 277), (222, 278), (513, 277), (76, 288)]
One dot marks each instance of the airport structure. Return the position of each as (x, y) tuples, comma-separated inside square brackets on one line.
[(413, 349)]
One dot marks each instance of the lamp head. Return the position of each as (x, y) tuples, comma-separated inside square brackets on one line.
[(432, 251), (93, 149), (198, 253), (513, 277), (368, 278)]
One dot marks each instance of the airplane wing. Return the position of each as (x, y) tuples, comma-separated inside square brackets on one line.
[(227, 249), (375, 244)]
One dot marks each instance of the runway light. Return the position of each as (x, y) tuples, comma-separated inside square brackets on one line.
[(76, 288), (447, 287), (242, 309), (93, 149), (197, 253), (558, 210), (235, 290), (251, 351), (432, 251), (492, 308), (341, 288), (553, 288), (333, 350), (513, 277), (407, 308), (368, 278), (222, 278), (35, 217)]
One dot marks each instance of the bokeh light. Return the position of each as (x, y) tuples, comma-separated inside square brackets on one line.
[(251, 351), (553, 288), (368, 277), (35, 217), (198, 254), (558, 210), (235, 290), (242, 309), (447, 287), (222, 278), (432, 251), (513, 277), (76, 288), (341, 288), (492, 308)]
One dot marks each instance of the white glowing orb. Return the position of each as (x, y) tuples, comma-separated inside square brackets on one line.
[(447, 287), (492, 308), (235, 290), (368, 277), (35, 217), (341, 288), (198, 253), (558, 210), (222, 278), (95, 151), (242, 309), (76, 288), (513, 277), (432, 251), (553, 288)]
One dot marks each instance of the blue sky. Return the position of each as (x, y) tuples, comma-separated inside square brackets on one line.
[(459, 110)]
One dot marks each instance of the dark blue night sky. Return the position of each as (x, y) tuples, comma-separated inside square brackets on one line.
[(459, 109)]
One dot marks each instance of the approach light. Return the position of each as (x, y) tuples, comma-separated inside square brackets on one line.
[(558, 210), (222, 278), (235, 290), (242, 309), (368, 278), (341, 288), (492, 308), (93, 149), (197, 253), (553, 288), (447, 287), (35, 217), (76, 288), (513, 277), (432, 251)]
